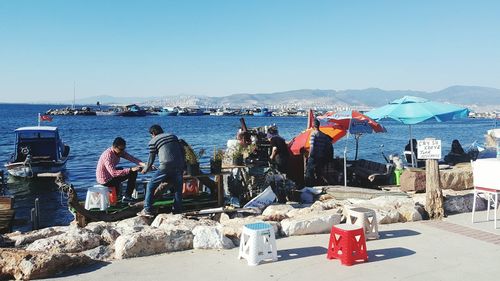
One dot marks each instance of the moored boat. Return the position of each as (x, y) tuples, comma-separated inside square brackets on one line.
[(262, 112), (165, 111), (38, 149), (131, 110)]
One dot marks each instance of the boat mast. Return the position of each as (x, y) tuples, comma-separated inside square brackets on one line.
[(74, 95)]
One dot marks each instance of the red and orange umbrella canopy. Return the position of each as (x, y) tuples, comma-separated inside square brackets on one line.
[(336, 125), (352, 121), (301, 141)]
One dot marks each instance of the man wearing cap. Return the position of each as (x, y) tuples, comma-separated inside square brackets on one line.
[(279, 150), (320, 147)]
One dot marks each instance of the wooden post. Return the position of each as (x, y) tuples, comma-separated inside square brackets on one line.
[(220, 190), (434, 194)]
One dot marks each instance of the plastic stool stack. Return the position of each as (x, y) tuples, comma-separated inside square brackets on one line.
[(258, 243), (366, 218), (347, 243), (97, 197)]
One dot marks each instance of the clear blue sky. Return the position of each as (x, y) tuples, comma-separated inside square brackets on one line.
[(210, 47)]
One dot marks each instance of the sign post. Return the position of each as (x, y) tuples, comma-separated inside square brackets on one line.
[(430, 149)]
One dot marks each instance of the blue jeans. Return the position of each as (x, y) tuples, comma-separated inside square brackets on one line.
[(172, 177)]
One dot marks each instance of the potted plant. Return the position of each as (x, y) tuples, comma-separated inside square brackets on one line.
[(216, 161), (237, 155), (192, 160)]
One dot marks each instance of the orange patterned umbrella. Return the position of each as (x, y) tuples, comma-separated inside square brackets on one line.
[(301, 141)]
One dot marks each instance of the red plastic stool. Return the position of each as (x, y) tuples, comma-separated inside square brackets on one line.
[(347, 243), (113, 198)]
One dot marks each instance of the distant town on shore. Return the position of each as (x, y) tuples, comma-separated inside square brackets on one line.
[(483, 102)]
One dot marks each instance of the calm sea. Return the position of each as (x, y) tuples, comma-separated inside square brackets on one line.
[(88, 136)]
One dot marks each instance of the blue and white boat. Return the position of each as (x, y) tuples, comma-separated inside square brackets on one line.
[(165, 111), (262, 112), (38, 149)]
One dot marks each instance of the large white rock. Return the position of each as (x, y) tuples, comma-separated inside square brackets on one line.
[(132, 225), (232, 227), (152, 241), (210, 237), (30, 237), (390, 209), (326, 205), (278, 209), (299, 212), (102, 253), (387, 217), (98, 227), (178, 222), (28, 265), (74, 241), (457, 178), (311, 223), (109, 235)]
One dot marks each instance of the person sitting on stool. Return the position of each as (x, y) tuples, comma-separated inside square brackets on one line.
[(107, 173)]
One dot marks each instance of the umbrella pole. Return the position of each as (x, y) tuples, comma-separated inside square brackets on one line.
[(345, 168), (413, 156), (357, 143), (345, 159)]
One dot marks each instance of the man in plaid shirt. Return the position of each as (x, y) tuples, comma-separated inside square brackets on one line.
[(107, 173)]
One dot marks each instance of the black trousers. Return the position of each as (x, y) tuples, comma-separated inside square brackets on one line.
[(131, 179), (314, 170)]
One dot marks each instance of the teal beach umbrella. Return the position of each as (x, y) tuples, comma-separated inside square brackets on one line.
[(413, 110)]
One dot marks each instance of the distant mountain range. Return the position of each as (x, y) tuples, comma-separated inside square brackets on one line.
[(474, 97)]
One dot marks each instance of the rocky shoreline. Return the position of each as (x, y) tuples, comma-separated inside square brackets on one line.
[(46, 252)]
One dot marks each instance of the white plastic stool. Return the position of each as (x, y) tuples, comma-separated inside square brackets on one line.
[(97, 197), (258, 243), (491, 194), (367, 218)]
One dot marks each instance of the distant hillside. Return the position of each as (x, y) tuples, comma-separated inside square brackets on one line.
[(476, 98)]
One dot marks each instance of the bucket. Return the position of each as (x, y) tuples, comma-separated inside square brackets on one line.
[(113, 198), (397, 175)]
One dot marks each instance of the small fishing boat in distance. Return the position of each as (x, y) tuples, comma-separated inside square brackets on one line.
[(38, 149), (131, 110), (166, 111), (262, 112)]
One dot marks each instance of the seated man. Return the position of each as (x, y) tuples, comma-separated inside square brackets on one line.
[(408, 150), (457, 154), (408, 154), (108, 175)]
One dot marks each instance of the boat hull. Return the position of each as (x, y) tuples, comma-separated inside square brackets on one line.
[(263, 114), (22, 170), (140, 113)]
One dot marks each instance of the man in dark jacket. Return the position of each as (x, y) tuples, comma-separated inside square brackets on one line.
[(320, 147), (280, 154), (172, 162)]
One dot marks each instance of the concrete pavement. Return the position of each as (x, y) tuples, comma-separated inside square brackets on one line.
[(452, 249)]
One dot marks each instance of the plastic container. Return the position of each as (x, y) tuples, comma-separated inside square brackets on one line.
[(397, 175)]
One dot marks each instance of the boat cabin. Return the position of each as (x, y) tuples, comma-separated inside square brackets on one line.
[(42, 143)]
